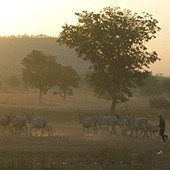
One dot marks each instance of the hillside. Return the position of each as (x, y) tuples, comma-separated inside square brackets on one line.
[(14, 49)]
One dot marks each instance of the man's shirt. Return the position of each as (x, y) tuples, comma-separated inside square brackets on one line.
[(161, 123)]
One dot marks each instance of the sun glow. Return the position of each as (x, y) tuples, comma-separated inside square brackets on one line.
[(11, 14), (9, 10), (40, 16), (27, 17), (35, 17)]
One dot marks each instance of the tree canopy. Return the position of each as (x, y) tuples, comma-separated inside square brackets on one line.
[(68, 79), (114, 41), (43, 72), (40, 71)]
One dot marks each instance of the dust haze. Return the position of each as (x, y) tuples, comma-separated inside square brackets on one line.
[(67, 148)]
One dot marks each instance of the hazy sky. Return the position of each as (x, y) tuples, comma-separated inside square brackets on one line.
[(32, 17)]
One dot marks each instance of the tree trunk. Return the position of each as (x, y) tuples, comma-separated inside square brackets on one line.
[(113, 106)]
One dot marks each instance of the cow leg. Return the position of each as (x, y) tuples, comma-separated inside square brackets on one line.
[(15, 130), (88, 130), (26, 129), (19, 130), (136, 131), (131, 133), (154, 134), (146, 134), (31, 130), (142, 134), (114, 130), (42, 132), (4, 129), (83, 131), (123, 132), (94, 128), (11, 129), (36, 131)]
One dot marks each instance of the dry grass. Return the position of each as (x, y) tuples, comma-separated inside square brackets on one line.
[(83, 102)]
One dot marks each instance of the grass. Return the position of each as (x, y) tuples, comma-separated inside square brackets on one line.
[(83, 102)]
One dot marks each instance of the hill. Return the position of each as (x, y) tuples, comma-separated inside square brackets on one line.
[(14, 49)]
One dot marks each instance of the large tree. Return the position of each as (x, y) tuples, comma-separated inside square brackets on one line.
[(40, 71), (114, 41)]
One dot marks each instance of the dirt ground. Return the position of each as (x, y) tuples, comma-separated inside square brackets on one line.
[(68, 150)]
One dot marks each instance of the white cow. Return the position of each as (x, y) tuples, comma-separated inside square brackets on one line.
[(124, 123), (88, 122), (107, 123), (37, 122), (5, 122), (139, 123), (153, 129), (133, 125), (18, 123), (49, 129)]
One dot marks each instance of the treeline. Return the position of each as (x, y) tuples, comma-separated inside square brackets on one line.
[(28, 36), (43, 72), (154, 86)]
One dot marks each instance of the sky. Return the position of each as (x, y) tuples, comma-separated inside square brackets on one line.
[(33, 17)]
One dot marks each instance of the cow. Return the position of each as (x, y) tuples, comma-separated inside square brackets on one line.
[(5, 122), (139, 123), (153, 129), (133, 125), (124, 123), (88, 122), (37, 122), (107, 122), (18, 122)]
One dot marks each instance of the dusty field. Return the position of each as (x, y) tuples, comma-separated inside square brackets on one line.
[(67, 149)]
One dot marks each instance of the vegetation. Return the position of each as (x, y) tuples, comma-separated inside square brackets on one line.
[(114, 42), (151, 87), (40, 71), (13, 81), (68, 79), (156, 86), (10, 60), (43, 72)]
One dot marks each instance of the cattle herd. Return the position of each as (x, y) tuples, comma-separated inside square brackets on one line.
[(16, 124), (129, 126)]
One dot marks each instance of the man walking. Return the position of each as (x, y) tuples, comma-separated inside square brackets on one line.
[(162, 128)]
